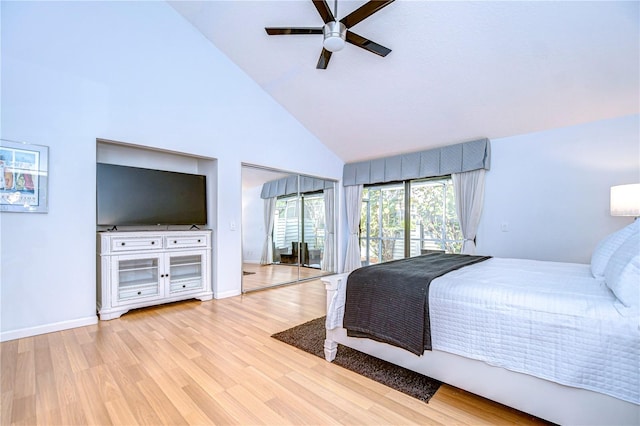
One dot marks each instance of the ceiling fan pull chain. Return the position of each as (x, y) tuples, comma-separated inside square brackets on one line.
[(335, 9)]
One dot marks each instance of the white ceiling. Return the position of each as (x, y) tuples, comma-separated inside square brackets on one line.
[(457, 71)]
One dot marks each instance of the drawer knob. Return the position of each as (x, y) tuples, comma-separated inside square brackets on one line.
[(198, 240), (175, 242), (153, 242), (184, 285), (139, 292), (122, 244)]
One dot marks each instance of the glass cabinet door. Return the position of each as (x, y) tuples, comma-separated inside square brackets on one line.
[(138, 277), (186, 272)]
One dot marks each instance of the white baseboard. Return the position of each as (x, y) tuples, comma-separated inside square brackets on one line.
[(47, 328), (226, 294)]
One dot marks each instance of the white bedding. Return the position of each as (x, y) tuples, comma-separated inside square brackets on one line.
[(547, 319)]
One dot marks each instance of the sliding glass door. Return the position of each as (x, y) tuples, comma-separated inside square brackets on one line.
[(408, 218), (434, 224), (382, 223)]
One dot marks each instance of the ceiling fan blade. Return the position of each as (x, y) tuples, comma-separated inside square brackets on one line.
[(364, 12), (367, 44), (286, 31), (323, 61), (323, 10)]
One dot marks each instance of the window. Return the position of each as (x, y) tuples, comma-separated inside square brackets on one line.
[(434, 222), (382, 225), (430, 221)]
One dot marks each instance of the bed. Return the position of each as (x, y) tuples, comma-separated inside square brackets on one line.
[(560, 341)]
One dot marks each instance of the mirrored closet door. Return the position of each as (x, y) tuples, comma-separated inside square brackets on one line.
[(288, 227)]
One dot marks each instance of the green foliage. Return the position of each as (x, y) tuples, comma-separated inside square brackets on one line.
[(434, 222)]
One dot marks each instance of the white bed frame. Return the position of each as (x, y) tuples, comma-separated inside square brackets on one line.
[(551, 401)]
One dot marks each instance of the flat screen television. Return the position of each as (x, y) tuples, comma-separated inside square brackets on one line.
[(135, 196)]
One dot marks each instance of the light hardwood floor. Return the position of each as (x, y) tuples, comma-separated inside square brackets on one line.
[(210, 363)]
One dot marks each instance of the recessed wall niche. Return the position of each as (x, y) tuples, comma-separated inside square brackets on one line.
[(127, 154)]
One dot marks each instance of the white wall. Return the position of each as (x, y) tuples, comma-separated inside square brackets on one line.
[(551, 189), (253, 223), (134, 72), (128, 155)]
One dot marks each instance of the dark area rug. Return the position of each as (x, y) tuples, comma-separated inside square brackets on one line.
[(310, 338), (247, 273)]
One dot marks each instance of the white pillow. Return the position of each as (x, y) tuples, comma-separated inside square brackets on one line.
[(622, 274), (607, 246)]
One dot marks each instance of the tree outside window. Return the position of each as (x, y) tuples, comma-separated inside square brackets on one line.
[(431, 222)]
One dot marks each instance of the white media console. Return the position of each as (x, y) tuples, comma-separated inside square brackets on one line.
[(145, 268)]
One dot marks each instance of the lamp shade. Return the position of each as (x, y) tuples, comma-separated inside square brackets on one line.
[(625, 200)]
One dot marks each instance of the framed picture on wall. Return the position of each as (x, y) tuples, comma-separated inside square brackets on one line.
[(24, 175)]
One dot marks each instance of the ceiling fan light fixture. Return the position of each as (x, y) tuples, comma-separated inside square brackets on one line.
[(335, 34)]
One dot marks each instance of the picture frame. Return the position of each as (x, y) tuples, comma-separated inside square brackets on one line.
[(24, 177)]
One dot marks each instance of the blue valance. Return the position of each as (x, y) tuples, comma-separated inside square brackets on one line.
[(288, 185), (458, 158)]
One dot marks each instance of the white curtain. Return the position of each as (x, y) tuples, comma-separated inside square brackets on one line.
[(328, 257), (353, 200), (468, 188), (269, 216)]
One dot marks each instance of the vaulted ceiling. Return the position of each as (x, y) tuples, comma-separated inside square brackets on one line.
[(458, 70)]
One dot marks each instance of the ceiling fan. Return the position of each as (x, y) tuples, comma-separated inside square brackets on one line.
[(336, 32)]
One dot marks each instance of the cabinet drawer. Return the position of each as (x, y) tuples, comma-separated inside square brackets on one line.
[(119, 244), (185, 241), (186, 286), (137, 292)]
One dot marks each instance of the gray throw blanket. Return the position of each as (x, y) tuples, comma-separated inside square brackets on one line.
[(389, 302)]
